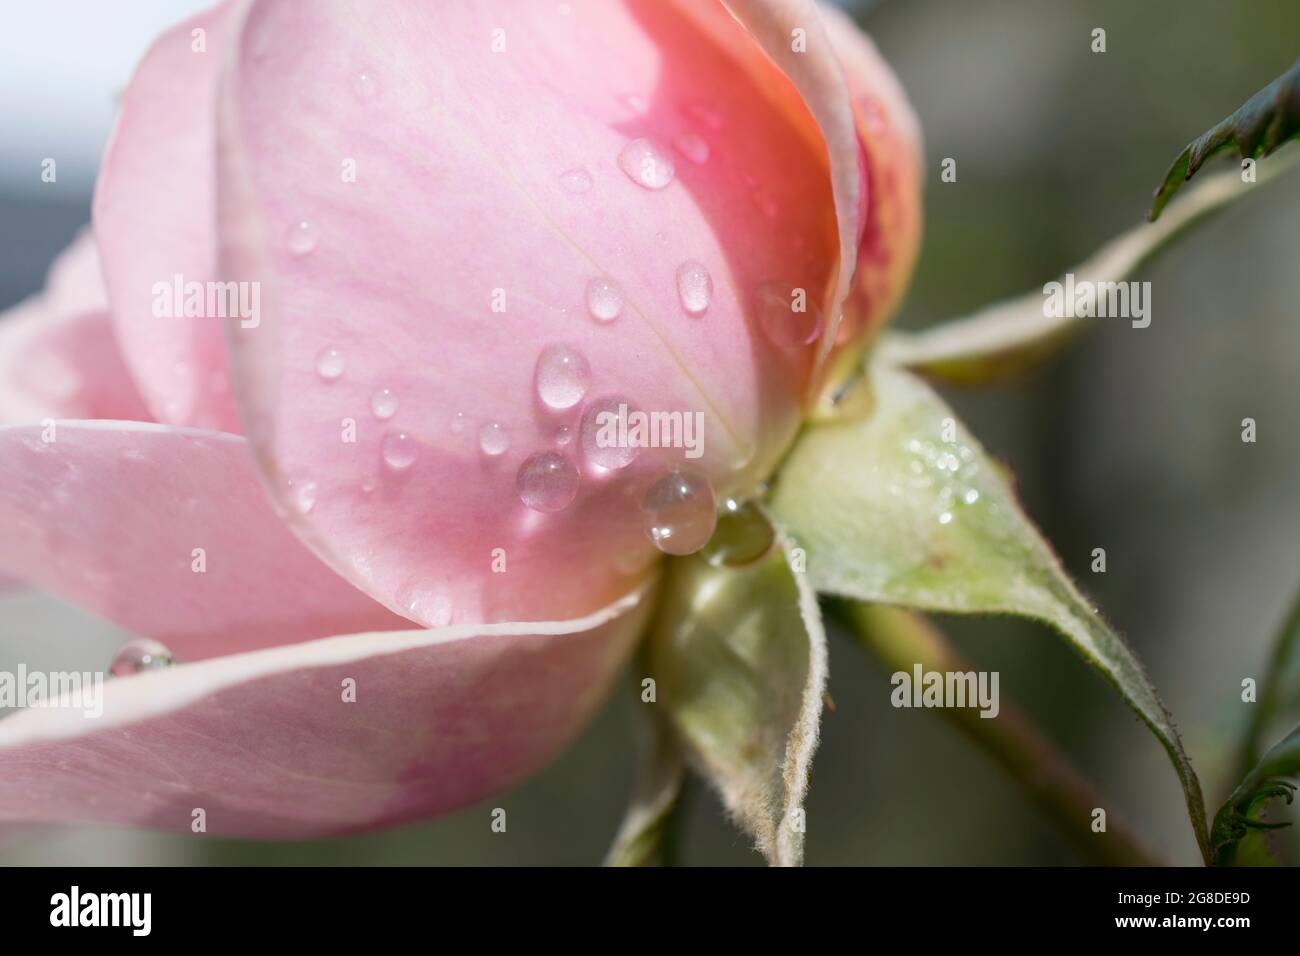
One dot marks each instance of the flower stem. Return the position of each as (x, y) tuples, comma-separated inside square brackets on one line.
[(902, 639)]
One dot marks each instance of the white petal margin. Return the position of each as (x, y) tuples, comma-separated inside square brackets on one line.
[(267, 744)]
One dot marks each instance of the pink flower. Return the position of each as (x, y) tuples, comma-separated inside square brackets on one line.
[(373, 267)]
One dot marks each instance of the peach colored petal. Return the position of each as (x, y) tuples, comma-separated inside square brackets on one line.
[(120, 517), (154, 214), (267, 745), (425, 214)]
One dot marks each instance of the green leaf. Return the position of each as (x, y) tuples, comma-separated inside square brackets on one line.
[(1240, 813), (739, 659), (641, 838), (1260, 125), (1272, 703), (902, 506), (1007, 338)]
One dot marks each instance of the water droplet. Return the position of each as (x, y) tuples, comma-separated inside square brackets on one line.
[(694, 286), (301, 238), (562, 376), (680, 512), (383, 404), (138, 655), (576, 180), (492, 439), (704, 113), (399, 450), (786, 316), (604, 442), (547, 482), (366, 84), (744, 535), (330, 364), (646, 164), (970, 496), (945, 517), (693, 147), (458, 423), (304, 495), (604, 299), (563, 435), (635, 102)]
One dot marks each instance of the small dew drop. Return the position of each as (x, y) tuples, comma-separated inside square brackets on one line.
[(576, 180), (647, 164), (680, 512), (138, 655), (304, 495), (547, 482), (604, 442), (694, 287), (366, 84), (399, 450), (458, 423), (330, 364), (301, 238), (945, 517), (562, 376), (787, 318), (604, 299), (383, 404), (693, 147), (563, 436), (492, 439), (635, 103), (971, 496)]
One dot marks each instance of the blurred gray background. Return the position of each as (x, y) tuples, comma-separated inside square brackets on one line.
[(1130, 442)]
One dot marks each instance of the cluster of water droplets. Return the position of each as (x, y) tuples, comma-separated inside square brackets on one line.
[(948, 470)]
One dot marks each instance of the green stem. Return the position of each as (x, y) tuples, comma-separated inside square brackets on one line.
[(1270, 695), (902, 639)]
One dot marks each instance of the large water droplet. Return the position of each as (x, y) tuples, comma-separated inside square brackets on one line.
[(138, 655), (646, 164), (399, 450), (603, 441), (680, 512), (694, 286), (301, 238), (576, 180), (330, 364), (743, 536), (562, 376), (786, 316), (604, 299), (383, 404), (492, 439), (547, 482), (693, 147)]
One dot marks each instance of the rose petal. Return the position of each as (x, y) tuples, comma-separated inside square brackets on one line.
[(891, 140), (58, 358), (460, 199), (154, 213), (109, 515), (267, 745)]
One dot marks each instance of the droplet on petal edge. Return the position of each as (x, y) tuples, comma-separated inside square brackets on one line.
[(694, 287), (647, 164), (366, 84), (786, 316), (547, 482), (680, 512), (330, 364), (492, 439), (304, 495), (139, 655), (603, 441), (604, 299), (399, 450), (561, 376), (743, 536), (693, 147), (301, 238)]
